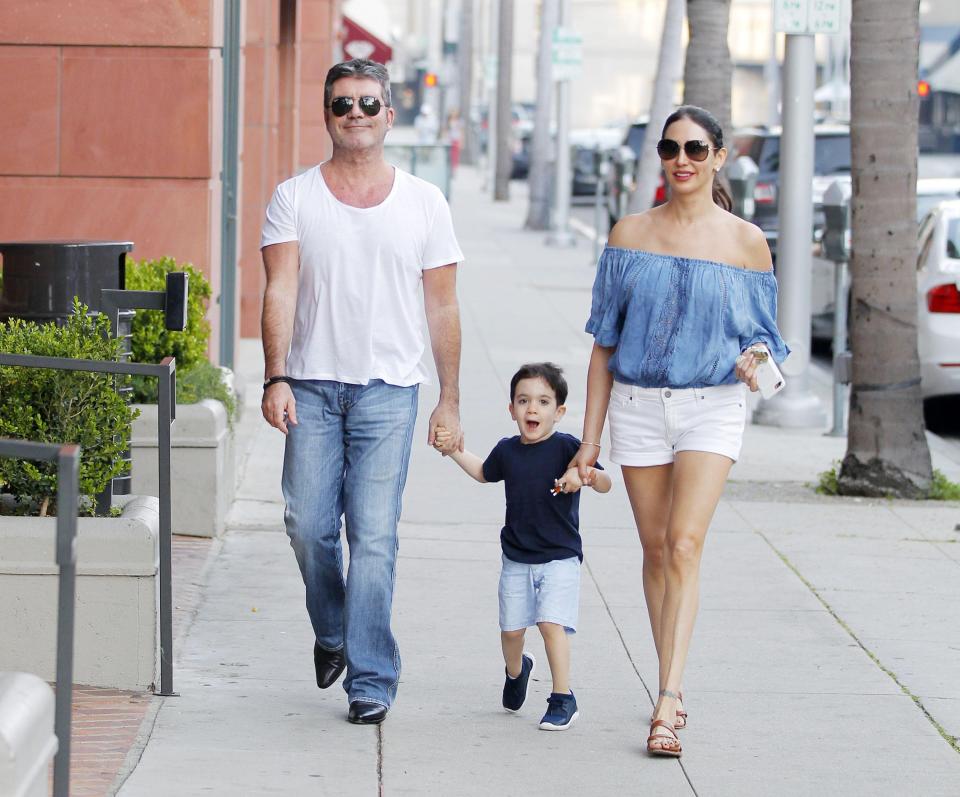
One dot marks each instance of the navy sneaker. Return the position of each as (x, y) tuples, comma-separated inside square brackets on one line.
[(561, 712), (515, 689)]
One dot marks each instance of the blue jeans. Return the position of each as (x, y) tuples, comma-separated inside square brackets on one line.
[(347, 457)]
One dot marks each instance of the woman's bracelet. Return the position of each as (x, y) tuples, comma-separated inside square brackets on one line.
[(585, 443)]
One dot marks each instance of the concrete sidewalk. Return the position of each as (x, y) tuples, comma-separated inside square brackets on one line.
[(826, 657)]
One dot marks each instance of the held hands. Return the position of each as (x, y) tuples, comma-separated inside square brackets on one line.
[(583, 462), (571, 482), (279, 407), (445, 418), (443, 440)]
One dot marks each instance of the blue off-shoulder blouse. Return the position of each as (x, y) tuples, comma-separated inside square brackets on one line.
[(679, 321)]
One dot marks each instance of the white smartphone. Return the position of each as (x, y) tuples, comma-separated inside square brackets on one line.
[(769, 379)]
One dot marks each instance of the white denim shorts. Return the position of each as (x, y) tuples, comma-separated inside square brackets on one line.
[(544, 593), (649, 425)]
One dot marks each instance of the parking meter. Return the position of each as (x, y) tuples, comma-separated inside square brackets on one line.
[(742, 174), (836, 211), (836, 247)]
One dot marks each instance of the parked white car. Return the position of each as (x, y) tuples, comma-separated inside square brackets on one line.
[(938, 300)]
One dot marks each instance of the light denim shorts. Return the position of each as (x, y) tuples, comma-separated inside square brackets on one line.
[(546, 593), (649, 425)]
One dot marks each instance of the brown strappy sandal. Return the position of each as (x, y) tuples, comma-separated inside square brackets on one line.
[(681, 721), (665, 744)]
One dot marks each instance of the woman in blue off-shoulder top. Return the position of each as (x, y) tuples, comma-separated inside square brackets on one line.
[(682, 292)]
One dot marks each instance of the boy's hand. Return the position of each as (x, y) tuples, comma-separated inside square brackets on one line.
[(441, 438), (570, 482)]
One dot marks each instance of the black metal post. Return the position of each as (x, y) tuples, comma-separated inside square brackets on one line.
[(165, 372), (68, 460)]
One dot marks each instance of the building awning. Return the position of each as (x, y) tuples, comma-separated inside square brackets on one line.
[(358, 42)]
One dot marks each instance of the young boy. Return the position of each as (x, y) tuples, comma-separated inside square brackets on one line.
[(540, 579)]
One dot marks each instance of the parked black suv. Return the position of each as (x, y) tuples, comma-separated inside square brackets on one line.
[(831, 156)]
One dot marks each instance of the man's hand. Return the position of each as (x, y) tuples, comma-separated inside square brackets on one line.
[(278, 406), (446, 417)]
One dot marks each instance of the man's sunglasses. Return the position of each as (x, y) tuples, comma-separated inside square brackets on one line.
[(341, 105), (696, 150)]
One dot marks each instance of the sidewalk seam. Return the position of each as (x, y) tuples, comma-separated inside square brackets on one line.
[(953, 741), (623, 642), (135, 753)]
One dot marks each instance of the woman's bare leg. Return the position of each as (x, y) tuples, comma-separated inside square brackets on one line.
[(650, 492), (698, 481)]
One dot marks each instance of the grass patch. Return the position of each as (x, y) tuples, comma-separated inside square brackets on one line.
[(941, 488)]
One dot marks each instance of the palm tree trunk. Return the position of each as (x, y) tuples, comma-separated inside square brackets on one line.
[(661, 104), (538, 215), (887, 453), (708, 70)]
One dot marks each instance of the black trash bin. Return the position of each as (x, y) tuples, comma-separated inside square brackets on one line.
[(38, 280)]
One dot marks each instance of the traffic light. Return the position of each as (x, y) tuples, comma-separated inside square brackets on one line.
[(923, 88), (430, 80)]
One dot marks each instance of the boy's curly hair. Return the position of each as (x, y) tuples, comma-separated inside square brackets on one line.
[(548, 372)]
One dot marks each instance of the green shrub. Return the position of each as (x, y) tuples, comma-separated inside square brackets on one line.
[(151, 340), (203, 381), (50, 406)]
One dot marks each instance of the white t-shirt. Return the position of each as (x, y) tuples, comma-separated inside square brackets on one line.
[(359, 315)]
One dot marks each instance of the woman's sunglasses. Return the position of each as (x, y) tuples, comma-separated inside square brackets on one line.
[(341, 105), (696, 150)]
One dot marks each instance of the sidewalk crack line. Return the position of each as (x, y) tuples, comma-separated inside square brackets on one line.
[(953, 741), (633, 664)]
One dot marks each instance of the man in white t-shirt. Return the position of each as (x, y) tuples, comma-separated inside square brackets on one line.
[(347, 246)]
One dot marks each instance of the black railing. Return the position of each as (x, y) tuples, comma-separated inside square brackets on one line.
[(166, 373), (68, 466)]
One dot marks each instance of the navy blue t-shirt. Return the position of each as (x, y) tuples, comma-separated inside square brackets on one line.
[(539, 527)]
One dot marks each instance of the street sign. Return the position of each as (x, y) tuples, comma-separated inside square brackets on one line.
[(490, 70), (826, 16), (808, 16), (567, 54)]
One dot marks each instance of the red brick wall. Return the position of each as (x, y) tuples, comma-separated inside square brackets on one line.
[(283, 131), (111, 125)]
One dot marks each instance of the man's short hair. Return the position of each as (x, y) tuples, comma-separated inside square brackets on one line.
[(358, 67), (548, 372)]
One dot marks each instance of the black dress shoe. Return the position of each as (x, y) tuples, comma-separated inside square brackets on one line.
[(329, 664), (364, 713)]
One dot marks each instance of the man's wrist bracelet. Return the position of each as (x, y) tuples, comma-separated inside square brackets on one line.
[(274, 379), (585, 443)]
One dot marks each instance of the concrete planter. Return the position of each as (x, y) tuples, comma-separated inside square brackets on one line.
[(117, 619), (202, 465)]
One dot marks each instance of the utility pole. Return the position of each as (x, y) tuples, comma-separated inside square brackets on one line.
[(538, 216), (560, 234), (490, 80), (796, 406), (504, 161), (465, 76)]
